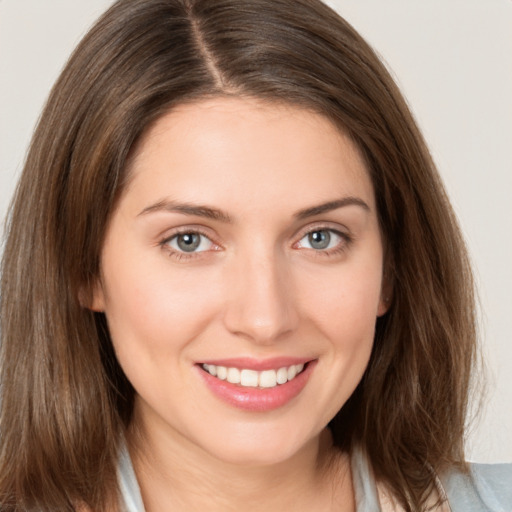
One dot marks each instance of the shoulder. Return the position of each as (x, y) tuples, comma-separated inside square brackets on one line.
[(487, 487)]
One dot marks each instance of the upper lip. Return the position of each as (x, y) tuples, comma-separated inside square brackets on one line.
[(258, 364)]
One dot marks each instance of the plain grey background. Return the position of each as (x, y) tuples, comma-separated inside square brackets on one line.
[(453, 61)]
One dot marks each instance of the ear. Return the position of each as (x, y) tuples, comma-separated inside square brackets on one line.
[(386, 295), (92, 297)]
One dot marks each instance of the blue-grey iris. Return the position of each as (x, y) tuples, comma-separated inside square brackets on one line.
[(319, 239), (188, 242)]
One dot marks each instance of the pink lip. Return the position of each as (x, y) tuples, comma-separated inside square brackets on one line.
[(257, 399)]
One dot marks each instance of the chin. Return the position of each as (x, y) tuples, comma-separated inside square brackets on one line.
[(255, 457), (260, 447)]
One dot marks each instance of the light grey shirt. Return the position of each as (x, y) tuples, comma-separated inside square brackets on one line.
[(488, 487)]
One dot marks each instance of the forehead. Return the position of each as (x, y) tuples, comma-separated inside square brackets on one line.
[(242, 151)]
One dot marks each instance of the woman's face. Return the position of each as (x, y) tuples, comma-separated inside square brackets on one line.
[(245, 250)]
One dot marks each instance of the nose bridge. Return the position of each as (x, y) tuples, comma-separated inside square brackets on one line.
[(260, 303)]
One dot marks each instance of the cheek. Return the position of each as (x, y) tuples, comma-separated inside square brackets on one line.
[(344, 310), (346, 307), (154, 317), (341, 304), (157, 310)]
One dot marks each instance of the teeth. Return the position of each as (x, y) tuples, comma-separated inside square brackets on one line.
[(253, 378), (292, 371), (249, 378), (282, 375), (211, 369), (233, 375), (222, 372), (268, 379)]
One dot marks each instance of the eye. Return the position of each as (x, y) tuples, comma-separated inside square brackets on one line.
[(189, 242), (321, 240)]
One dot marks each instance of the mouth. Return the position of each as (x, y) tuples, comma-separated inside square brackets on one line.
[(249, 378), (257, 386)]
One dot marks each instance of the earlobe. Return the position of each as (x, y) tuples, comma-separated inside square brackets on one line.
[(93, 297), (384, 305), (386, 295)]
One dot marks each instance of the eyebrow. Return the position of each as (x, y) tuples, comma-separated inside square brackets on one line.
[(208, 212), (187, 209), (330, 206)]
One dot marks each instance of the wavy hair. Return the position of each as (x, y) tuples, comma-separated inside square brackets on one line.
[(65, 400)]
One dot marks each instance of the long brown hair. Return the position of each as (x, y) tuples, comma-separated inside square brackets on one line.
[(65, 400)]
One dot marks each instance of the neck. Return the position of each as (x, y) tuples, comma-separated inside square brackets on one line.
[(175, 475)]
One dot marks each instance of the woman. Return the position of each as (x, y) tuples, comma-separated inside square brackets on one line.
[(233, 278)]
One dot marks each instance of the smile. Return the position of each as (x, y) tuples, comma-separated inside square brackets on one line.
[(252, 378), (257, 386)]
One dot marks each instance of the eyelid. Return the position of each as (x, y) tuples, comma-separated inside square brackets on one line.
[(170, 232), (319, 226)]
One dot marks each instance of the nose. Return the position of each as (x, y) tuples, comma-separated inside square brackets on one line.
[(260, 305)]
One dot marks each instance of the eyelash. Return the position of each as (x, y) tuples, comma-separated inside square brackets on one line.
[(341, 247)]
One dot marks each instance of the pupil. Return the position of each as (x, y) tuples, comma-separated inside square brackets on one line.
[(189, 242), (319, 239)]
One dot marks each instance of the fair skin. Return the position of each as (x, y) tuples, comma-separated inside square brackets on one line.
[(247, 238)]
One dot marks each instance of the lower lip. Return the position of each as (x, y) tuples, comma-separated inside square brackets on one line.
[(258, 399)]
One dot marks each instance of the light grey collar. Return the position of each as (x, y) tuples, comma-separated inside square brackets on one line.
[(129, 487), (368, 495)]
